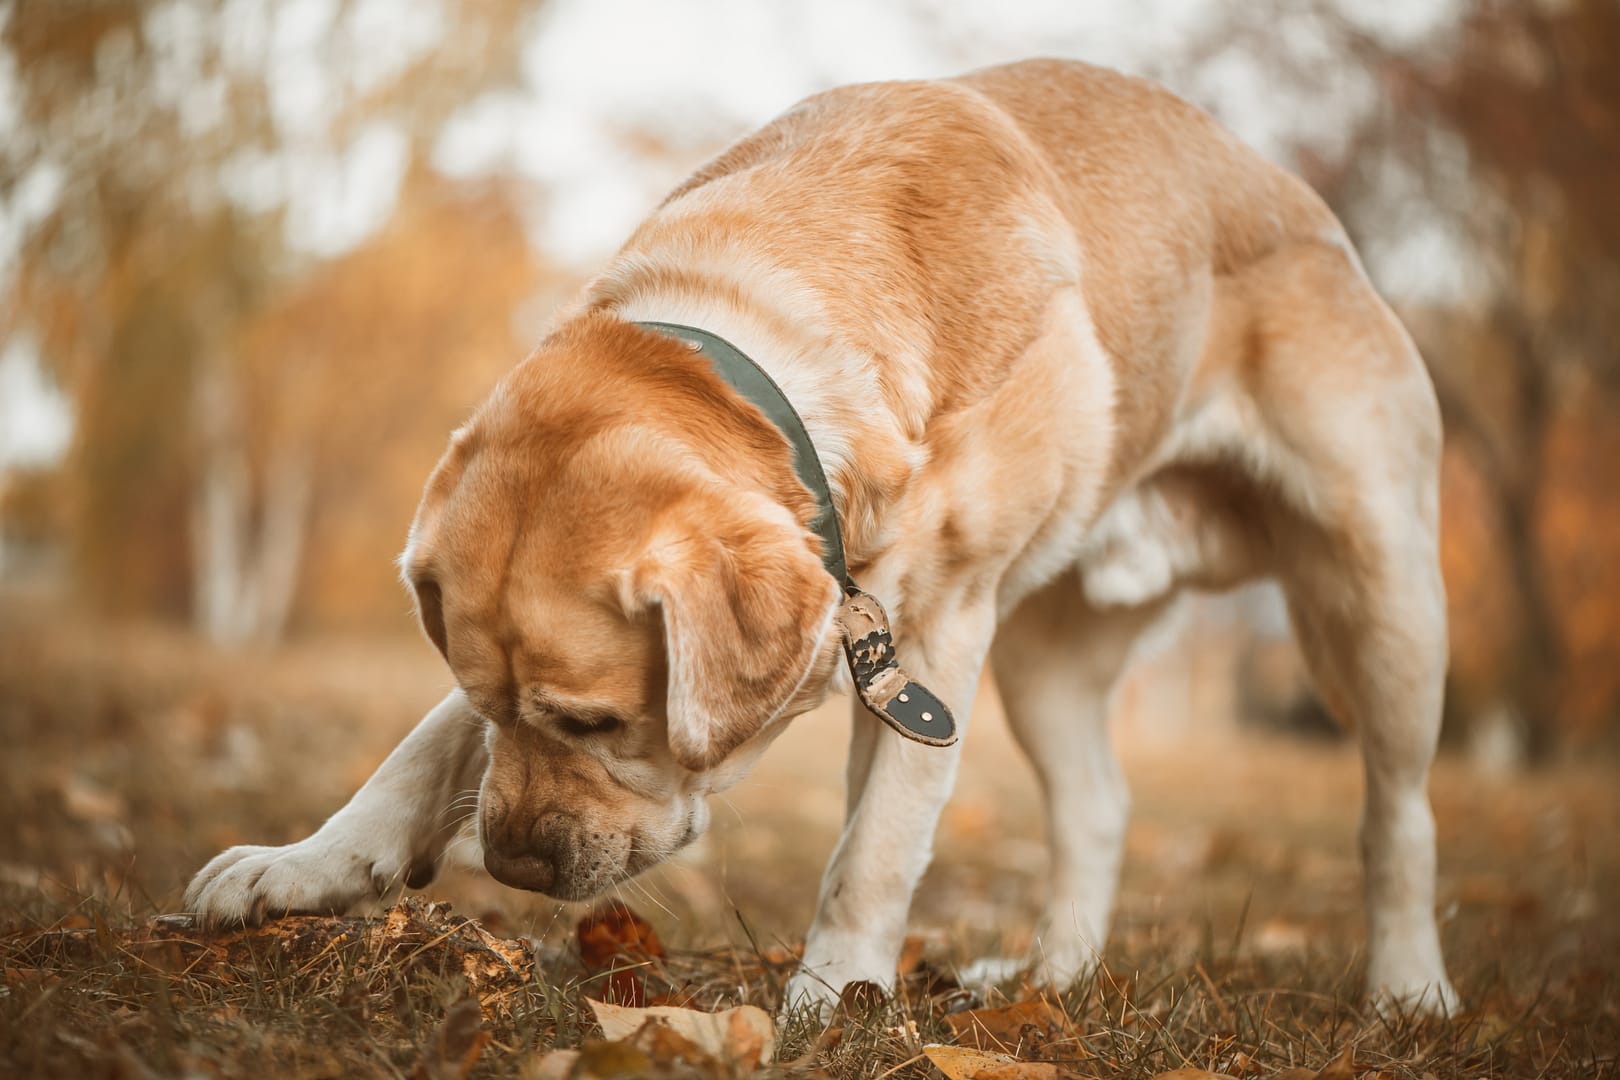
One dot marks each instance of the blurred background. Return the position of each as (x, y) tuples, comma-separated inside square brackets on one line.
[(258, 257)]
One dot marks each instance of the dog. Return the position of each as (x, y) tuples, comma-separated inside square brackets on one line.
[(1063, 347)]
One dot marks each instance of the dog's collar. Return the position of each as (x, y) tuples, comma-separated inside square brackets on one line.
[(905, 705), (751, 381)]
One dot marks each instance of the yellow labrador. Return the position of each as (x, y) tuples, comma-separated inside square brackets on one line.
[(1062, 347)]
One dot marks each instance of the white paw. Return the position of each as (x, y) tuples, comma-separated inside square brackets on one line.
[(807, 994), (988, 971), (246, 885), (1421, 997), (1068, 959)]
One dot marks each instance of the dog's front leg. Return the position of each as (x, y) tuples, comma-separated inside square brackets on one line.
[(392, 833), (888, 837)]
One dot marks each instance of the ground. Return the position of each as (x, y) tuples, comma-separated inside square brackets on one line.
[(134, 754)]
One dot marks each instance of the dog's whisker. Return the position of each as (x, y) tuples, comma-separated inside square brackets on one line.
[(463, 808), (642, 889)]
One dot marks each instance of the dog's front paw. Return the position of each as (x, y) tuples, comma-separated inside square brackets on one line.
[(991, 971), (819, 986), (807, 994), (1416, 998), (246, 885), (1056, 963)]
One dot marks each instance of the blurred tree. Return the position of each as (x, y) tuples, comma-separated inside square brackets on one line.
[(1512, 135), (370, 360), (204, 159)]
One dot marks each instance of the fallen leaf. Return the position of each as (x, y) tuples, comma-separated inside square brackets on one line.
[(456, 1044), (912, 949), (554, 1065), (1022, 1070), (668, 1047), (1342, 1067), (742, 1037), (964, 1063), (1193, 1074), (598, 1057), (613, 930), (1012, 1029), (861, 997)]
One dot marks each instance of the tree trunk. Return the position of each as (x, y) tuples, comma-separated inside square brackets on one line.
[(246, 563)]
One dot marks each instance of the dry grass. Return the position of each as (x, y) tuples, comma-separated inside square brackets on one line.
[(90, 1001), (133, 756)]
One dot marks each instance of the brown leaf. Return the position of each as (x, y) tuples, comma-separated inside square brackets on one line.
[(743, 1037), (911, 953), (456, 1044), (1020, 1029), (1342, 1067), (666, 1046), (625, 986), (861, 997), (601, 1058), (553, 1065), (612, 931), (1193, 1074), (750, 1038), (1022, 1070), (964, 1063)]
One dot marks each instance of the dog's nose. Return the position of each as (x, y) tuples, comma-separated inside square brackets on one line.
[(520, 869), (541, 856)]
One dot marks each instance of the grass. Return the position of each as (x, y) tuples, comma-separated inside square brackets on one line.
[(133, 755), (330, 999)]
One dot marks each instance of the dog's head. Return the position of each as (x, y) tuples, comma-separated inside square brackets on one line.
[(612, 557)]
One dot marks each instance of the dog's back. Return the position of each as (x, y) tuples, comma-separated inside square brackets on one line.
[(934, 219)]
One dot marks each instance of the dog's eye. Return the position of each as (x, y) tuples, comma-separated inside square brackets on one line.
[(588, 725)]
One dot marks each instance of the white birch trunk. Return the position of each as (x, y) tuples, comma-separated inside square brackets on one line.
[(246, 564)]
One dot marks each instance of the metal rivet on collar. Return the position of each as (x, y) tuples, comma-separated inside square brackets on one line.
[(887, 691)]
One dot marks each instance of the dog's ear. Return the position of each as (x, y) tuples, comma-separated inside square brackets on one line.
[(430, 610), (745, 612)]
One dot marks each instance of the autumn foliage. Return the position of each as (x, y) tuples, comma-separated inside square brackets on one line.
[(254, 419)]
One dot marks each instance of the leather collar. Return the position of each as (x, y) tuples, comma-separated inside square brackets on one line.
[(752, 382), (887, 691)]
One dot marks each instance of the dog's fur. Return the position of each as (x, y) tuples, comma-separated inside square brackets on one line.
[(1064, 347)]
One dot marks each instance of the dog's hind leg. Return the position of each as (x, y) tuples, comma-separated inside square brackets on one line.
[(1368, 607), (1355, 438), (1056, 659)]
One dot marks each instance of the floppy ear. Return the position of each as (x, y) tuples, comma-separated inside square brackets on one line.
[(430, 609), (745, 615)]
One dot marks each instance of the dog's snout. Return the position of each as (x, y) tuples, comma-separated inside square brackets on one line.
[(525, 854), (520, 870), (558, 855)]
